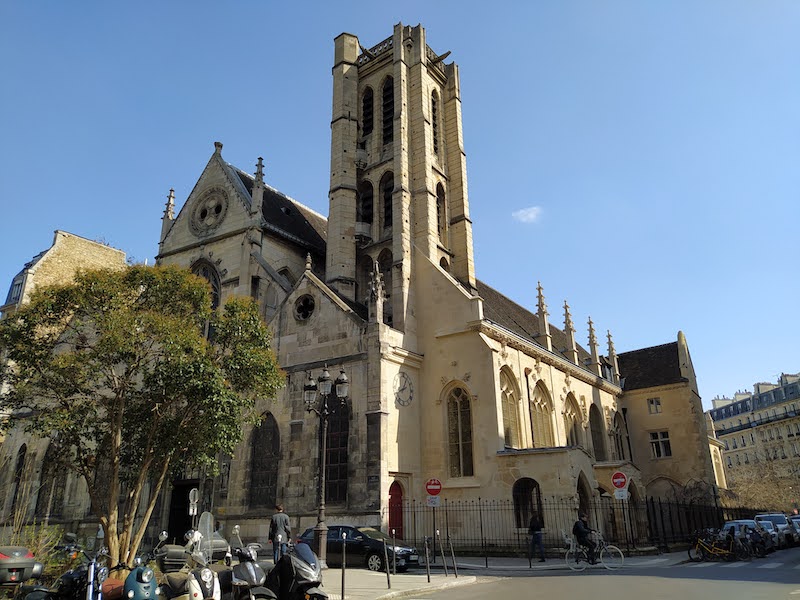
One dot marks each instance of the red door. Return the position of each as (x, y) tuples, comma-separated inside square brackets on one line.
[(396, 510)]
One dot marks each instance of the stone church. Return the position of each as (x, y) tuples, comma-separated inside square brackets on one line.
[(448, 378)]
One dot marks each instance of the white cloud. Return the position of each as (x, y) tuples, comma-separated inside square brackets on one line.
[(527, 215)]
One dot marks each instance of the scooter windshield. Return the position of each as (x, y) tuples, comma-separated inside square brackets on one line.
[(305, 552), (206, 528)]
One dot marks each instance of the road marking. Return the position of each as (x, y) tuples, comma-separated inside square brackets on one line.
[(796, 567), (701, 565), (733, 565), (794, 593), (651, 561), (770, 565)]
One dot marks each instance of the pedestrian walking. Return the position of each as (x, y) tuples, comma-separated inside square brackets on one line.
[(279, 533), (535, 529)]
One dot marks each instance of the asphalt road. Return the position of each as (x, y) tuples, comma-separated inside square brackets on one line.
[(771, 578)]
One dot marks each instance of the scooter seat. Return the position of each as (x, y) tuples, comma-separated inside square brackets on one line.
[(113, 589), (177, 582)]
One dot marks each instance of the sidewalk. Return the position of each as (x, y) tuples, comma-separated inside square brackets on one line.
[(361, 584)]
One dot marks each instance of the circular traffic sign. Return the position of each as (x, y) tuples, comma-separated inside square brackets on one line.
[(433, 486), (619, 480)]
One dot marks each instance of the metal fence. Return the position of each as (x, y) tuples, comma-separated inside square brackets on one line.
[(500, 527)]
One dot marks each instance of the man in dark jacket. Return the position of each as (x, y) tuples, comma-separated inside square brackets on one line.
[(581, 531), (535, 529), (279, 533)]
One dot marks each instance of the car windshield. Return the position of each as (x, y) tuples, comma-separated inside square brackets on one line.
[(777, 519), (767, 524), (374, 533)]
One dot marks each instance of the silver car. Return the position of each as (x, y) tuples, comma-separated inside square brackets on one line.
[(785, 529)]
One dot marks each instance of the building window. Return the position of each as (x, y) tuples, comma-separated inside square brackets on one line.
[(541, 418), (654, 406), (441, 211), (367, 112), (735, 445), (336, 468), (659, 444), (364, 207), (435, 122), (50, 499), (19, 472), (730, 462), (388, 111), (572, 422), (16, 291), (265, 454), (459, 433), (387, 189), (510, 403)]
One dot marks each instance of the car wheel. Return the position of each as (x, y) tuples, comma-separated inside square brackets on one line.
[(375, 562)]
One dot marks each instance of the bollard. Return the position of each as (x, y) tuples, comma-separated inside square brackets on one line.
[(453, 554), (427, 561), (386, 565), (394, 554), (441, 548), (344, 560)]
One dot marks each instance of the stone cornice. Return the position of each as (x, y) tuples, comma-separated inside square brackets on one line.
[(512, 340)]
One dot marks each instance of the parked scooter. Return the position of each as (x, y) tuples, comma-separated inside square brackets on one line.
[(297, 576), (245, 581), (140, 584), (196, 581), (84, 582)]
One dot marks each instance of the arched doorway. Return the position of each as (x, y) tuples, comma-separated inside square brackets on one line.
[(396, 509), (584, 495)]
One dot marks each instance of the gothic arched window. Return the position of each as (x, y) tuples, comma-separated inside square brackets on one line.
[(459, 432), (385, 266), (572, 422), (364, 206), (388, 110), (435, 121), (387, 189), (19, 475), (367, 112), (597, 429), (509, 398), (527, 498), (337, 455), (207, 271), (265, 454), (541, 411), (50, 500), (441, 211)]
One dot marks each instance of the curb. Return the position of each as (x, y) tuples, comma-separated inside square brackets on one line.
[(468, 580)]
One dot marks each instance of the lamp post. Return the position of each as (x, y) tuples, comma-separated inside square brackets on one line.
[(316, 401)]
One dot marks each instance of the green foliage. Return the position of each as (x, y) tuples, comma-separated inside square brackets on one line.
[(116, 366)]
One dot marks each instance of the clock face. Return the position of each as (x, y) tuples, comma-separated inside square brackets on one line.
[(403, 389)]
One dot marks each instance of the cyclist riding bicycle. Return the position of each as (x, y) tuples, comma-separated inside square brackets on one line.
[(581, 531)]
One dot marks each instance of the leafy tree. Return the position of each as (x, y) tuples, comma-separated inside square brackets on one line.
[(116, 369)]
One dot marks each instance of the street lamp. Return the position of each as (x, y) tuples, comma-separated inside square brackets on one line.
[(316, 401)]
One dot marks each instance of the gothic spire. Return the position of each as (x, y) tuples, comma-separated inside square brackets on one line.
[(612, 357), (544, 325), (258, 188), (168, 218), (594, 349), (569, 329)]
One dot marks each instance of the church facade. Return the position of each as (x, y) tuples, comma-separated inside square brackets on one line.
[(448, 378)]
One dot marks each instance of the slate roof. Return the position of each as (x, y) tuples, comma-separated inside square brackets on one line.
[(18, 276), (285, 215), (510, 315), (650, 367)]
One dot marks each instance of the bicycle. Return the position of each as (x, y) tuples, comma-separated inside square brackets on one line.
[(577, 556), (708, 546)]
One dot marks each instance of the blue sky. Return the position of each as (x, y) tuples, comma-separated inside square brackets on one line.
[(640, 159)]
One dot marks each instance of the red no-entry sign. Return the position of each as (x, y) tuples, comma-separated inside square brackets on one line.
[(619, 480), (433, 487)]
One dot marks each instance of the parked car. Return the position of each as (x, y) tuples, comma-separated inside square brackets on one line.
[(785, 529), (364, 546), (741, 527), (777, 538)]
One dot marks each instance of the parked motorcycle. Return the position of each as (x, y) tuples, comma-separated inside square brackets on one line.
[(196, 581), (84, 582), (245, 581), (297, 576)]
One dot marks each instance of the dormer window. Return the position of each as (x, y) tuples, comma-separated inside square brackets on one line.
[(16, 291)]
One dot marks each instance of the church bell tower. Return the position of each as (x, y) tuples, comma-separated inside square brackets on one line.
[(398, 188)]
